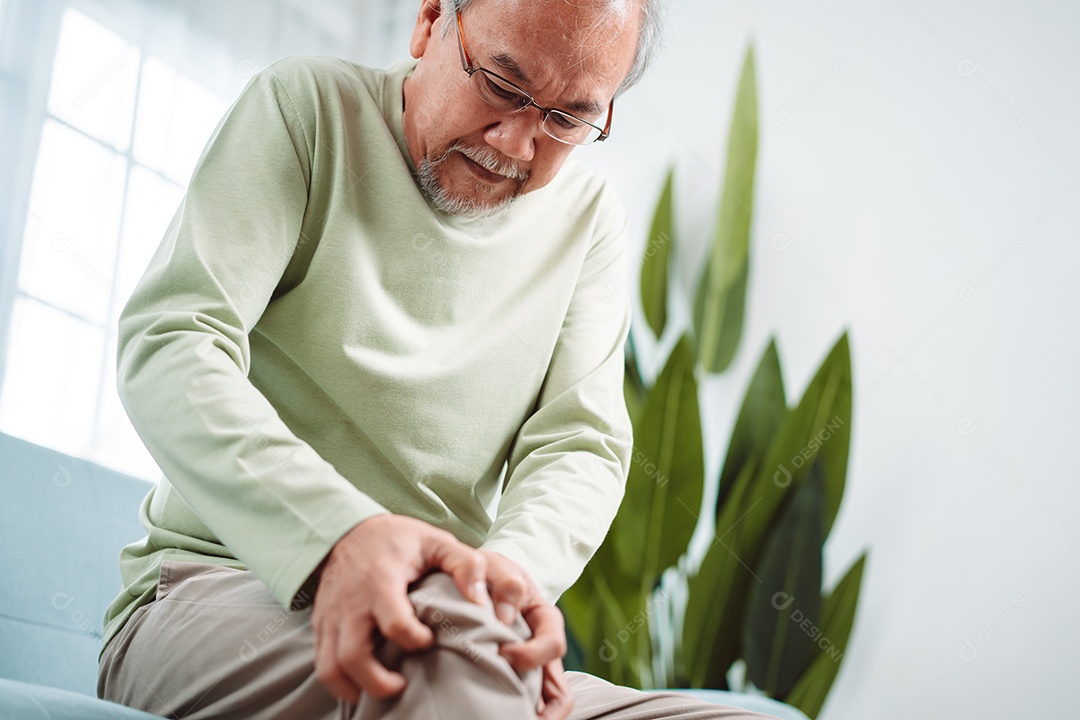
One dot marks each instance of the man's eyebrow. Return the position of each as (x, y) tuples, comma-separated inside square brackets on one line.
[(511, 66), (588, 108)]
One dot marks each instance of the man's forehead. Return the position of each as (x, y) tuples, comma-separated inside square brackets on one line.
[(508, 65), (584, 45)]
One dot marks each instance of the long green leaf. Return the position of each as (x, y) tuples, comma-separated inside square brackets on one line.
[(837, 618), (718, 593), (575, 647), (634, 390), (729, 318), (614, 657), (664, 486), (716, 597), (579, 609), (654, 264), (763, 409), (721, 293), (820, 425), (580, 602), (787, 594)]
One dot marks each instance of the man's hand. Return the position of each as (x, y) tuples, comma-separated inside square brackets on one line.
[(513, 591), (363, 588)]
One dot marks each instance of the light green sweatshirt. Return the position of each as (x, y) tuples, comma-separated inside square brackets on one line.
[(313, 344)]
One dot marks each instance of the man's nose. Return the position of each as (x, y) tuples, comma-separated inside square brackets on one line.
[(514, 135)]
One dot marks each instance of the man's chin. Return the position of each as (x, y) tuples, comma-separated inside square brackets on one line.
[(472, 205)]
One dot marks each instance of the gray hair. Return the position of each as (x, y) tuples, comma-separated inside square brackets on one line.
[(650, 40)]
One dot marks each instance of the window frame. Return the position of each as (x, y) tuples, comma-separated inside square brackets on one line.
[(27, 61)]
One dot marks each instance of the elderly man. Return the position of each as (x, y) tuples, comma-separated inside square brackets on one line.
[(378, 357)]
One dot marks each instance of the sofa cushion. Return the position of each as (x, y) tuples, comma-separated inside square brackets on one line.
[(36, 702), (62, 524)]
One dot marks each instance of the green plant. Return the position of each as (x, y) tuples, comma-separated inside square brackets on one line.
[(755, 594)]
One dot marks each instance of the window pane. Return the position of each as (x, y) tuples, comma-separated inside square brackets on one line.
[(116, 444), (53, 374), (151, 203), (174, 121), (93, 80), (72, 227)]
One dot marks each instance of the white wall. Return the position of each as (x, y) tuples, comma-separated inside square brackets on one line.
[(920, 156), (924, 158)]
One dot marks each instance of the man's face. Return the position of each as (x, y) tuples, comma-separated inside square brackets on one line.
[(566, 54)]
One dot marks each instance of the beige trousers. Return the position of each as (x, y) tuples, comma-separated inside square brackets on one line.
[(215, 643)]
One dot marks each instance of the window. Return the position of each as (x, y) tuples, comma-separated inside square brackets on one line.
[(121, 135)]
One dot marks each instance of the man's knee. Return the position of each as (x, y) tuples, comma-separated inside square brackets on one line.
[(463, 673)]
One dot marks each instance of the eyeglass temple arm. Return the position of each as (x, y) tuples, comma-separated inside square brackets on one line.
[(466, 61), (607, 126)]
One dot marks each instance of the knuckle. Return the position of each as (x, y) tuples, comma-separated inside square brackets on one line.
[(397, 627), (349, 656), (329, 675), (511, 585)]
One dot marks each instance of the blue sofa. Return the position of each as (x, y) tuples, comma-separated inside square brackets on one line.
[(62, 524)]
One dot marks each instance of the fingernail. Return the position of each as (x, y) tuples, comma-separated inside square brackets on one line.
[(505, 612), (479, 592)]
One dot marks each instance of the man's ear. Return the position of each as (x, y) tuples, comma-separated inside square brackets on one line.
[(430, 11)]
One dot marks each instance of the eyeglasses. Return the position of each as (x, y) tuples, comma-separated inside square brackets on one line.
[(500, 93)]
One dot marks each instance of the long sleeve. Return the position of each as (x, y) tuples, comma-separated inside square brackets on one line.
[(184, 354), (568, 465)]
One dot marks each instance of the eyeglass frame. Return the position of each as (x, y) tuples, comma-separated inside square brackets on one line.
[(468, 67)]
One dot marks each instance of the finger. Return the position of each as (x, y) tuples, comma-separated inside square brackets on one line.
[(467, 566), (508, 589), (327, 669), (396, 619), (549, 690), (555, 682), (548, 641), (558, 700), (557, 708), (356, 660)]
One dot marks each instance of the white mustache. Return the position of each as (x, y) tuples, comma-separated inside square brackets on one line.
[(491, 161)]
